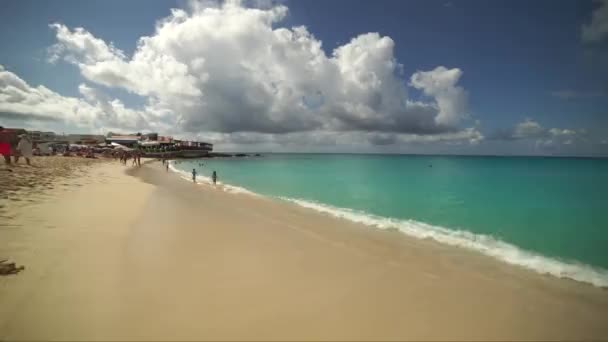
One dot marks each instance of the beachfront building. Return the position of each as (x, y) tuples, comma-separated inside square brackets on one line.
[(39, 136), (149, 137), (167, 147), (130, 141), (194, 145), (149, 143), (77, 139), (85, 139), (157, 144)]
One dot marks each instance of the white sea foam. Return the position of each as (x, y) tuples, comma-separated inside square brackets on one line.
[(182, 174), (238, 190), (484, 244), (202, 180)]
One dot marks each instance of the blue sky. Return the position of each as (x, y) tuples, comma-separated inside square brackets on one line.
[(520, 60)]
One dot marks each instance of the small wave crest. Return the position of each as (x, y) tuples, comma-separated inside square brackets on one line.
[(203, 180), (484, 244)]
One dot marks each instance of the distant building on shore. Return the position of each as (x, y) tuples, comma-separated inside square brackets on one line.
[(124, 140), (146, 141), (85, 139), (42, 136)]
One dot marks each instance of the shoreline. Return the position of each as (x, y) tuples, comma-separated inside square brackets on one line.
[(484, 245), (151, 257)]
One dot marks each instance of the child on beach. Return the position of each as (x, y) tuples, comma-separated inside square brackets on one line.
[(194, 175)]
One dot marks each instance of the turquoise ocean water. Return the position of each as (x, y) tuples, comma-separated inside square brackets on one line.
[(546, 214)]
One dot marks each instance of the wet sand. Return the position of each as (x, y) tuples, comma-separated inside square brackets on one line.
[(152, 257)]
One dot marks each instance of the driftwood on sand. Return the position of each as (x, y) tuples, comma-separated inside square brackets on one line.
[(9, 268)]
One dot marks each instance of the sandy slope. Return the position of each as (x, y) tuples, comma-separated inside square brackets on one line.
[(164, 259)]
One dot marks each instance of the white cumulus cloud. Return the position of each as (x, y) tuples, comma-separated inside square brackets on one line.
[(529, 129), (543, 137), (597, 29), (229, 68), (19, 100), (232, 75)]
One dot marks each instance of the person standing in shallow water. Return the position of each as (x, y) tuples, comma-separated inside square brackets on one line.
[(194, 175), (214, 177)]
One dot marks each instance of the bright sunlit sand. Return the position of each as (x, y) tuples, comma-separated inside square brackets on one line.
[(172, 260)]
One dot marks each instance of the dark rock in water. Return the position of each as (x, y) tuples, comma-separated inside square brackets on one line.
[(240, 155), (258, 155), (216, 154)]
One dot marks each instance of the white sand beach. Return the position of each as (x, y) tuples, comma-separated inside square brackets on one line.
[(144, 255)]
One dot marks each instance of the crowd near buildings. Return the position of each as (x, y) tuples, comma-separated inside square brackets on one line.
[(148, 144)]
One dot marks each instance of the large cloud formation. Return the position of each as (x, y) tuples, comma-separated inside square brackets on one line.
[(231, 72), (19, 100), (226, 68)]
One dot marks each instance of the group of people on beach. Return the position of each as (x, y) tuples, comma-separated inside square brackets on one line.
[(24, 148), (125, 156)]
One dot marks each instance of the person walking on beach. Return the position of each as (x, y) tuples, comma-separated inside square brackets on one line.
[(25, 148), (214, 177), (194, 175), (5, 145), (167, 166)]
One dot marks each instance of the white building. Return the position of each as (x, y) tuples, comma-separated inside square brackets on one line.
[(42, 136), (85, 139)]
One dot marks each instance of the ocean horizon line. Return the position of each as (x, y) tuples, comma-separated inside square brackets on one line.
[(426, 155)]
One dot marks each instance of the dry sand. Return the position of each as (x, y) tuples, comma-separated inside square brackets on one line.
[(17, 180), (118, 258)]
